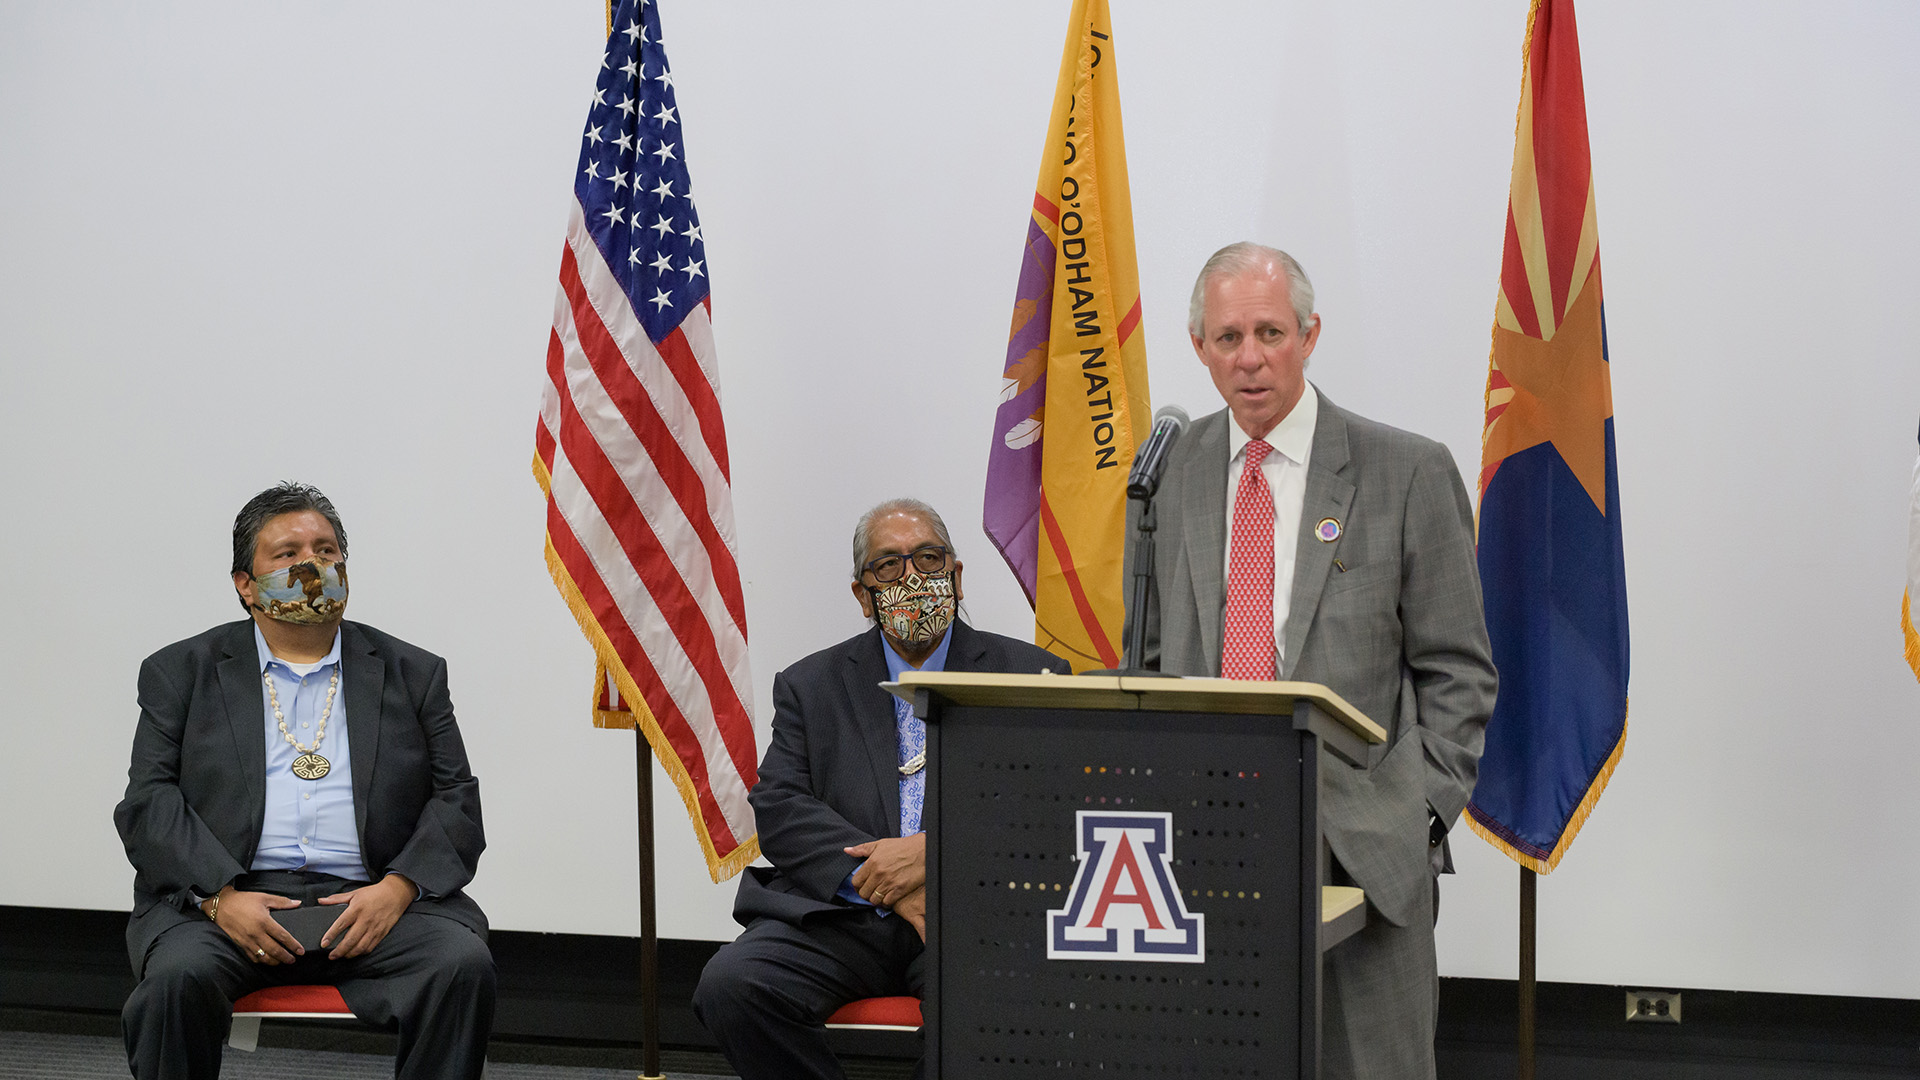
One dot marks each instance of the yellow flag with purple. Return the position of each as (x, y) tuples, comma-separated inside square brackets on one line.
[(1552, 568), (1913, 575), (1074, 389)]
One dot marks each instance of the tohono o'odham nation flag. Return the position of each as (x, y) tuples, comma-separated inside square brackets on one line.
[(1551, 564), (1075, 381), (1911, 635), (632, 452)]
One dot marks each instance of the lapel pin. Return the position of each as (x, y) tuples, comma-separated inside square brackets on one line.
[(1328, 530)]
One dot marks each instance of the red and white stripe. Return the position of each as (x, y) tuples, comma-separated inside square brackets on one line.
[(640, 513)]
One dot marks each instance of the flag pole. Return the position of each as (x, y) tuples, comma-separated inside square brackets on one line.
[(649, 931), (604, 321), (1529, 885), (649, 937)]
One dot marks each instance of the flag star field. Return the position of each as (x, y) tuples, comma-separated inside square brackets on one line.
[(633, 181)]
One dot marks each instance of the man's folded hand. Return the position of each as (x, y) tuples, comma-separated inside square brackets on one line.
[(895, 866), (913, 908), (247, 918), (371, 913)]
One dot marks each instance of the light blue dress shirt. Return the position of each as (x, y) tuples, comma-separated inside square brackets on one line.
[(911, 738), (309, 824)]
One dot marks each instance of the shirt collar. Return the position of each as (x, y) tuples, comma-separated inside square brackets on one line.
[(267, 657), (1292, 437), (897, 664)]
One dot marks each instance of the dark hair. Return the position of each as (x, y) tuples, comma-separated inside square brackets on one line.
[(285, 497)]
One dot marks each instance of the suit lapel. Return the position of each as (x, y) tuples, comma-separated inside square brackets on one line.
[(1205, 477), (240, 688), (365, 676), (1329, 495), (873, 715), (968, 649)]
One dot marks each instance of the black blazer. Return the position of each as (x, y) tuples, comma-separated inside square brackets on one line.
[(831, 776), (196, 791)]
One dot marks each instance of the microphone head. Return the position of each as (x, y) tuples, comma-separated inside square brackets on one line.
[(1151, 456)]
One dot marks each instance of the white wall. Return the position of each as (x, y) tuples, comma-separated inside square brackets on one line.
[(244, 242)]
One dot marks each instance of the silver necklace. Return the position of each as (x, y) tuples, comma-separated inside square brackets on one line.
[(309, 765)]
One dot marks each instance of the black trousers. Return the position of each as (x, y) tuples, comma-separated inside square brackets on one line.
[(431, 977), (766, 996)]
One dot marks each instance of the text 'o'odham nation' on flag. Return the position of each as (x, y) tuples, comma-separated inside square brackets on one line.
[(1552, 568), (633, 455), (1911, 635), (1075, 380)]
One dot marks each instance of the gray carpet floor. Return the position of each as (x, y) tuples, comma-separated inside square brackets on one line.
[(29, 1055), (68, 1055), (49, 1044)]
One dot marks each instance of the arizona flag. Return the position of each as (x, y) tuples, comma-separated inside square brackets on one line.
[(1551, 564), (1913, 576), (1075, 380)]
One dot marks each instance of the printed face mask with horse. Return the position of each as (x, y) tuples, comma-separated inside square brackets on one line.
[(310, 592)]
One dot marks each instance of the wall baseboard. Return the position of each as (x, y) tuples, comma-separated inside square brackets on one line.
[(1820, 1033)]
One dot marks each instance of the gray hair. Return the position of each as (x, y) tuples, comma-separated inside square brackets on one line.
[(1247, 257), (863, 531), (285, 497)]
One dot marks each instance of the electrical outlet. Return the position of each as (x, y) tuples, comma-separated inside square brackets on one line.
[(1654, 1006)]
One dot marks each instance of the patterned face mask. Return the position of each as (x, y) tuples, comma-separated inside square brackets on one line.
[(311, 592), (915, 609)]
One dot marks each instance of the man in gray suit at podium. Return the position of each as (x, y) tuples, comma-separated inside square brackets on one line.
[(1300, 541)]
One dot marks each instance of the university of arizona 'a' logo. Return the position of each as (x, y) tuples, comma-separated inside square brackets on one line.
[(1125, 904)]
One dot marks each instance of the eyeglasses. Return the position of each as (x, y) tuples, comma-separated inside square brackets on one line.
[(928, 560)]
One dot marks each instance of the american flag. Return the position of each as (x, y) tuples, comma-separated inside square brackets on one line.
[(632, 452)]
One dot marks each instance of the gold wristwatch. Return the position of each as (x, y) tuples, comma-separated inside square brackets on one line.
[(213, 909)]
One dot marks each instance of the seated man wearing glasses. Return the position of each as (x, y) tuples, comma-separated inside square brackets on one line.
[(842, 912)]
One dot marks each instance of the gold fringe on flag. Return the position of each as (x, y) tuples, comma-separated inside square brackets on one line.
[(1913, 636), (607, 662), (617, 719), (1594, 791)]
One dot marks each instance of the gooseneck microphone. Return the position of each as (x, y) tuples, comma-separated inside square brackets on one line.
[(1168, 424), (1142, 481)]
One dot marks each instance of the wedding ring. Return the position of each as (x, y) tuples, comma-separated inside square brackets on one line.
[(262, 953)]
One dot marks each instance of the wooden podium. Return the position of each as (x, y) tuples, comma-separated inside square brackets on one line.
[(1127, 875)]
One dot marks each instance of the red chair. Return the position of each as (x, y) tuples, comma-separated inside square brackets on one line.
[(878, 1014), (320, 1002), (283, 1003)]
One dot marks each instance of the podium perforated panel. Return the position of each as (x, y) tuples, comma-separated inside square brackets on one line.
[(1129, 989)]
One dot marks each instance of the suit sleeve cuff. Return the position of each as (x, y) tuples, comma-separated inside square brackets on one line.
[(851, 895)]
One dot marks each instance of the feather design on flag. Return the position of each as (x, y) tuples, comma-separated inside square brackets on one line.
[(632, 452), (1074, 383)]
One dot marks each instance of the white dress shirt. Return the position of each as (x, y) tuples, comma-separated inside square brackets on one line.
[(1286, 472)]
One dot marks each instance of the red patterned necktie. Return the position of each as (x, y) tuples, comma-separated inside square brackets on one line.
[(1247, 650)]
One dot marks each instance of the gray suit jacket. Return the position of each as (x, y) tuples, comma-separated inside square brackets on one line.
[(831, 777), (196, 791), (1399, 632)]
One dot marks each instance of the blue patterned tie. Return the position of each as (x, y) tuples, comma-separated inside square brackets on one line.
[(913, 789)]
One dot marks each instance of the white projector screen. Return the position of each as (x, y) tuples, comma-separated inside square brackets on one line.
[(245, 242)]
